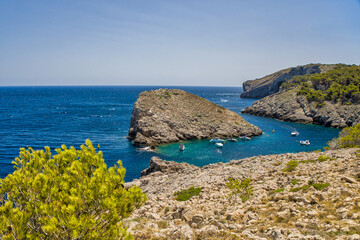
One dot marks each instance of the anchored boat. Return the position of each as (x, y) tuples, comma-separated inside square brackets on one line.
[(245, 138), (305, 142), (294, 134), (219, 145), (217, 140)]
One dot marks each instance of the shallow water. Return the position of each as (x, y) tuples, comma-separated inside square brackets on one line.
[(51, 116)]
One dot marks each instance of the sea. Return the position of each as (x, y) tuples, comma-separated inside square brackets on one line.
[(51, 116)]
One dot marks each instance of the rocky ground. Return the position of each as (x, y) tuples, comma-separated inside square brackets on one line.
[(288, 106), (319, 199), (169, 115)]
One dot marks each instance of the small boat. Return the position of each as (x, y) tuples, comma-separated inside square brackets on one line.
[(217, 140), (294, 134), (273, 131), (305, 142), (219, 145), (245, 138), (232, 140), (181, 147), (224, 100), (146, 149)]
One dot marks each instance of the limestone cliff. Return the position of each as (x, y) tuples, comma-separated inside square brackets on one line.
[(270, 84), (318, 199), (169, 115), (288, 106)]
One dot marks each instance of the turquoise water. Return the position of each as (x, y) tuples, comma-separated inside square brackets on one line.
[(202, 152), (51, 116)]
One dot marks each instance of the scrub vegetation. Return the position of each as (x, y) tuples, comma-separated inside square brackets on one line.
[(71, 195), (348, 138), (340, 85)]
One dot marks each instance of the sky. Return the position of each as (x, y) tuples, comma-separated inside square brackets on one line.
[(170, 42)]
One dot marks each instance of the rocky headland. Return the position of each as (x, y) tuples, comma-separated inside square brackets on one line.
[(289, 106), (169, 115), (331, 99), (270, 84), (318, 198)]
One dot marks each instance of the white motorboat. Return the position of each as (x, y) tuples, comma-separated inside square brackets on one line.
[(217, 140), (245, 138), (224, 100), (232, 140), (294, 134), (145, 149), (219, 145), (181, 147), (305, 142)]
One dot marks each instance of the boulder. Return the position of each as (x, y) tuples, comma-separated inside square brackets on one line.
[(159, 165)]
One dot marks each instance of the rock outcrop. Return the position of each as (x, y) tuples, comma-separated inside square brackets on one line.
[(270, 84), (166, 167), (288, 106), (169, 115), (319, 199)]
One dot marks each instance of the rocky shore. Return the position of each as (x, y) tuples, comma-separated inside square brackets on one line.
[(169, 115), (318, 199), (270, 84), (288, 106)]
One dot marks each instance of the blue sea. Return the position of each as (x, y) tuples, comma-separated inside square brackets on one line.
[(51, 116)]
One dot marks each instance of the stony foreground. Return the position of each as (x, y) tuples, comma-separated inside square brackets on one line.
[(273, 212)]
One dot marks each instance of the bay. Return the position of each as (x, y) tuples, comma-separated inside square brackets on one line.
[(50, 116)]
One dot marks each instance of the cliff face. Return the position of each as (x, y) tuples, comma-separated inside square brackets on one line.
[(270, 84), (288, 106), (165, 116), (319, 199)]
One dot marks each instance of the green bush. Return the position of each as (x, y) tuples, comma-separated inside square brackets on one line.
[(294, 181), (318, 186), (291, 165), (277, 190), (349, 137), (323, 158), (241, 188), (71, 195), (185, 195), (308, 161), (167, 93)]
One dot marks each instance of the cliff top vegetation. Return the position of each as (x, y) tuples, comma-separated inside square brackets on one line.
[(340, 85)]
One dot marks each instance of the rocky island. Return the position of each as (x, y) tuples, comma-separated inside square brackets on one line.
[(330, 99), (169, 115), (270, 84), (312, 195)]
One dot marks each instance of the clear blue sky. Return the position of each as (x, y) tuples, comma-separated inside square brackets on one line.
[(169, 42)]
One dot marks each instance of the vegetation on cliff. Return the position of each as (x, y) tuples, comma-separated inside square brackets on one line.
[(348, 138), (272, 83), (340, 85), (71, 195), (330, 99)]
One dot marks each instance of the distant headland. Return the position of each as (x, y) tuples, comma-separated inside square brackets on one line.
[(323, 94)]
